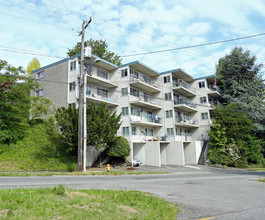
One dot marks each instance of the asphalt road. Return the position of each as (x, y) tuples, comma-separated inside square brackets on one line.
[(202, 192)]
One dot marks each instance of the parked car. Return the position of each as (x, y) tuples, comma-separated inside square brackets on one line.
[(136, 163)]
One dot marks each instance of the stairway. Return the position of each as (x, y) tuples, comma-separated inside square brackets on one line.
[(204, 153)]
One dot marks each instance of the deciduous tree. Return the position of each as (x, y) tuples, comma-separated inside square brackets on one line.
[(99, 48)]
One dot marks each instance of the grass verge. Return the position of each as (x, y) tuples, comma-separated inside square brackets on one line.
[(62, 203), (256, 169), (262, 180), (112, 173)]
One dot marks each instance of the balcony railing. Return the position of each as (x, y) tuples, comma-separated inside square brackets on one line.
[(184, 102), (214, 103), (215, 88), (149, 118), (184, 136), (136, 76), (186, 120), (178, 83), (101, 94), (146, 98)]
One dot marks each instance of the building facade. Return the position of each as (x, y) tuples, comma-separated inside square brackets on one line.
[(165, 116)]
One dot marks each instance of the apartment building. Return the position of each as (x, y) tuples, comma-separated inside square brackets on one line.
[(165, 116)]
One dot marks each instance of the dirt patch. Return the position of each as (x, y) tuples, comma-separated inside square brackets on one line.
[(3, 213), (128, 209), (74, 193)]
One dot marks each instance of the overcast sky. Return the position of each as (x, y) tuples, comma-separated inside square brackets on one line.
[(134, 26)]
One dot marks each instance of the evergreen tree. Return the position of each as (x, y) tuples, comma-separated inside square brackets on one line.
[(243, 84), (99, 48)]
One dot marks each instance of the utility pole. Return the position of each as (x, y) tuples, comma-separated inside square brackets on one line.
[(82, 95)]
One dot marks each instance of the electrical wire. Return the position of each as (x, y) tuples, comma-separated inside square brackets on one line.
[(194, 46)]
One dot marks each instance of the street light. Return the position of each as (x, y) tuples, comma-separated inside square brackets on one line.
[(88, 70)]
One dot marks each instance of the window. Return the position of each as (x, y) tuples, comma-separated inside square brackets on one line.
[(202, 84), (124, 91), (166, 79), (103, 74), (72, 86), (73, 65), (135, 111), (40, 75), (125, 131), (170, 131), (102, 92), (124, 73), (133, 130), (39, 92), (204, 115), (149, 132), (134, 74), (203, 99), (88, 90), (125, 111), (134, 92), (168, 96), (178, 131), (169, 114)]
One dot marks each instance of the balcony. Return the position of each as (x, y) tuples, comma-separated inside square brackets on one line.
[(99, 96), (100, 78), (185, 105), (214, 103), (183, 88), (214, 91), (186, 122), (150, 121), (182, 136), (143, 82), (145, 101)]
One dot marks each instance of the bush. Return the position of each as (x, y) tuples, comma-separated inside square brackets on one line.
[(120, 148)]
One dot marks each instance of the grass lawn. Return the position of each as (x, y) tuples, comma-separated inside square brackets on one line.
[(62, 203), (114, 173)]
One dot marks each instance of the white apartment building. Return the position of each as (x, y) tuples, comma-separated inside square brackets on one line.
[(165, 116)]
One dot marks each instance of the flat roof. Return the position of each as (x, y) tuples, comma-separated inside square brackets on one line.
[(181, 74), (104, 64), (137, 65)]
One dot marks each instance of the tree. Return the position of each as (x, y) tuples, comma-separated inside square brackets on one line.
[(33, 65), (102, 126), (243, 85), (119, 149), (40, 106), (15, 102), (233, 140), (67, 121), (99, 48)]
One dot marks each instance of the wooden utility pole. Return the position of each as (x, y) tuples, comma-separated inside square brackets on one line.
[(82, 95)]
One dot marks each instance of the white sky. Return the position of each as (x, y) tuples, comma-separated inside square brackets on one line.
[(134, 26)]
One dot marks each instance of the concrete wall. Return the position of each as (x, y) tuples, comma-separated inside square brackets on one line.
[(139, 152), (152, 154), (91, 155), (175, 153), (56, 87), (163, 153)]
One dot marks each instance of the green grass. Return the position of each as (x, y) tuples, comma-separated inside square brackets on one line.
[(62, 203), (113, 173), (38, 151), (262, 180), (256, 169)]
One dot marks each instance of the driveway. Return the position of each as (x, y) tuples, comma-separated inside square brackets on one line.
[(201, 192)]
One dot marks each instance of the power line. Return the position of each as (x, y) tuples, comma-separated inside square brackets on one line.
[(13, 50), (194, 46), (29, 19)]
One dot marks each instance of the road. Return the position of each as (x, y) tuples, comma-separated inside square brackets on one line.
[(202, 192)]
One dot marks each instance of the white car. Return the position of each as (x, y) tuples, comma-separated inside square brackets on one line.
[(136, 163)]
